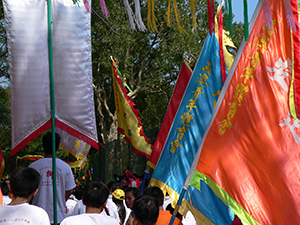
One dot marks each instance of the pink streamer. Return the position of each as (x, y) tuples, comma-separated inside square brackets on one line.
[(267, 15), (87, 5), (104, 8), (289, 15)]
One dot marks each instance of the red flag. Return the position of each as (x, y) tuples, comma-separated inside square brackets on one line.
[(179, 90), (129, 123)]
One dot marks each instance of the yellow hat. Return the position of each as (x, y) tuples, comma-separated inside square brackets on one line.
[(119, 194)]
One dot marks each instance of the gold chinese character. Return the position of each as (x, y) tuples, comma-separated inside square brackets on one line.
[(255, 59), (181, 130), (197, 92), (174, 145), (248, 74), (225, 124), (206, 68), (191, 105), (200, 80), (240, 91), (186, 119)]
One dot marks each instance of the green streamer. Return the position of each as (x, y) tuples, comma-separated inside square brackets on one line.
[(230, 17), (246, 25)]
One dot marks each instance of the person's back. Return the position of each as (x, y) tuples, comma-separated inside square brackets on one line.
[(23, 185), (164, 216), (95, 198), (64, 179)]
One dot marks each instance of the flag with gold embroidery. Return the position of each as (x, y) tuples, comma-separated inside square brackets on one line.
[(185, 134), (249, 155), (129, 123)]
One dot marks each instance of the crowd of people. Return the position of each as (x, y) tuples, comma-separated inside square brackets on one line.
[(28, 198)]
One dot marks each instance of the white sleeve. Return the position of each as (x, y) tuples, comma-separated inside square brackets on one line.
[(70, 183)]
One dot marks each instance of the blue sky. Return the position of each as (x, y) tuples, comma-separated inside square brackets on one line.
[(238, 9)]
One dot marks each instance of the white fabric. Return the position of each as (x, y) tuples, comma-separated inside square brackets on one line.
[(27, 40), (70, 204), (166, 202), (6, 199), (64, 180), (110, 205), (79, 208), (90, 219), (189, 219), (23, 214)]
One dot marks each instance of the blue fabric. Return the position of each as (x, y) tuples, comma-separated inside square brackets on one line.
[(175, 162)]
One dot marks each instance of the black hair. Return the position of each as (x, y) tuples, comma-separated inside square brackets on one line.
[(156, 193), (133, 190), (115, 186), (24, 181), (78, 192), (4, 188), (47, 142), (121, 209), (145, 209), (95, 194)]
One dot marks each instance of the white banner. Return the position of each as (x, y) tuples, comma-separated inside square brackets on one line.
[(27, 38)]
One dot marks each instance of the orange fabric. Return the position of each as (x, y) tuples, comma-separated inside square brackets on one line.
[(251, 148), (164, 218), (1, 198)]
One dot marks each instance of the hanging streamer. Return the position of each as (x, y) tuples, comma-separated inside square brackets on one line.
[(176, 15), (211, 16), (267, 14), (246, 25), (87, 5), (193, 13), (138, 16), (104, 8), (289, 15), (151, 16), (130, 15)]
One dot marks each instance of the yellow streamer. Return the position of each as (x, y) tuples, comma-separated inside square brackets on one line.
[(151, 16), (193, 13), (177, 17)]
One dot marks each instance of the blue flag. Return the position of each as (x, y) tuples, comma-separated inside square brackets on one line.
[(185, 136)]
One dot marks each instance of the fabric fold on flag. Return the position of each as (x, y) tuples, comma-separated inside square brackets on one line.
[(129, 123), (26, 27)]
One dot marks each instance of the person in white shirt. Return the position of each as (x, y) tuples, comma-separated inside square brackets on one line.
[(95, 198), (6, 193), (64, 181), (23, 186)]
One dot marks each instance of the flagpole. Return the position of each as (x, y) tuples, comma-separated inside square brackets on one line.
[(52, 100)]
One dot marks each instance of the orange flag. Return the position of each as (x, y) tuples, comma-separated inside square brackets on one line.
[(249, 155), (129, 122)]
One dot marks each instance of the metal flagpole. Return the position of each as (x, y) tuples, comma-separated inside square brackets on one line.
[(52, 99)]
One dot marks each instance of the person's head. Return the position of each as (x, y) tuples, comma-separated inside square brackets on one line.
[(146, 210), (77, 192), (115, 186), (47, 142), (95, 194), (24, 182), (156, 193), (4, 189), (131, 194), (118, 196)]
